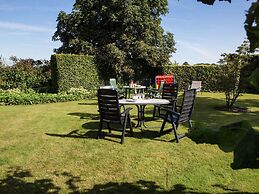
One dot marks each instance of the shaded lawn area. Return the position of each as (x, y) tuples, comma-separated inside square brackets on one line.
[(52, 148)]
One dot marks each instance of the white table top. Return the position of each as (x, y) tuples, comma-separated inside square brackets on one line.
[(137, 87), (144, 101)]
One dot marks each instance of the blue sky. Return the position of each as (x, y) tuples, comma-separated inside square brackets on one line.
[(201, 32)]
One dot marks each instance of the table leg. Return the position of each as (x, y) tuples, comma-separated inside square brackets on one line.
[(126, 93), (141, 116)]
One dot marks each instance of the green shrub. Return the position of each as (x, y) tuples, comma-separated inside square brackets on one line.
[(73, 71), (26, 74), (17, 97)]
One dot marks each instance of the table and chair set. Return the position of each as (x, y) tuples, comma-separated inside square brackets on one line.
[(115, 112)]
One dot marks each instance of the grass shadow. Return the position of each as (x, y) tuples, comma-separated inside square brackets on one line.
[(254, 165), (140, 187), (206, 113), (91, 125), (15, 182), (85, 115), (19, 180), (88, 103), (76, 134)]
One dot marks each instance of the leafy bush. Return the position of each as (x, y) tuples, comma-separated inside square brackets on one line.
[(16, 96), (73, 71), (26, 74)]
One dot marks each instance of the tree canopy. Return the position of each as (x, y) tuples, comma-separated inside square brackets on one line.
[(126, 36)]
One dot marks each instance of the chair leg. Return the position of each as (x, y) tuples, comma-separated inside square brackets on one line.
[(175, 134), (130, 126), (189, 125), (108, 125), (100, 129), (154, 112), (124, 129), (162, 127), (122, 136)]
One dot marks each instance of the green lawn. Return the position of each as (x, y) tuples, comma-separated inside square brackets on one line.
[(52, 148)]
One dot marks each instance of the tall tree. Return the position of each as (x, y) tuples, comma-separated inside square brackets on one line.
[(126, 36), (231, 81)]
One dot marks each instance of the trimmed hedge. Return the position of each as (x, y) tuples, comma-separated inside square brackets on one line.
[(73, 71), (208, 74)]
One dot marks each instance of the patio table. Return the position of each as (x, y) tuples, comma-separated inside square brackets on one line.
[(141, 104)]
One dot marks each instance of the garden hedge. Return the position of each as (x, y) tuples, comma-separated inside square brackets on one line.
[(73, 71), (208, 74)]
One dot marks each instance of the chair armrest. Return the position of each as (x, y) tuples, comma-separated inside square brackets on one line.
[(171, 111)]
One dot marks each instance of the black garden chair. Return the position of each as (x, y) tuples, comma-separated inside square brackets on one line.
[(169, 92), (183, 116), (110, 113)]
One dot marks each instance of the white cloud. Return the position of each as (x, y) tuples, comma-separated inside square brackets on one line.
[(8, 8), (196, 48), (23, 27), (14, 8)]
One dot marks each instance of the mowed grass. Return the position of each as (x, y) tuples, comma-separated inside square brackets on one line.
[(52, 148)]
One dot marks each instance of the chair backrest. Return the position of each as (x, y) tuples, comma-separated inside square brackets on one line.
[(196, 85), (108, 105), (106, 87), (170, 91), (187, 105), (113, 83)]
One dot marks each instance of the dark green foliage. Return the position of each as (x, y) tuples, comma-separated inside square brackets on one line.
[(254, 79), (251, 25), (229, 136), (185, 63), (73, 71), (210, 2), (126, 36), (238, 137)]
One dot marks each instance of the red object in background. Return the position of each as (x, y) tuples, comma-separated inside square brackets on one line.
[(166, 78)]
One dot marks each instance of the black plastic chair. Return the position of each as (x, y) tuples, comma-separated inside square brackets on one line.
[(169, 92), (111, 114), (183, 116)]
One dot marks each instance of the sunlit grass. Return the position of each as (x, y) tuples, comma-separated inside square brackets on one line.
[(53, 147)]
